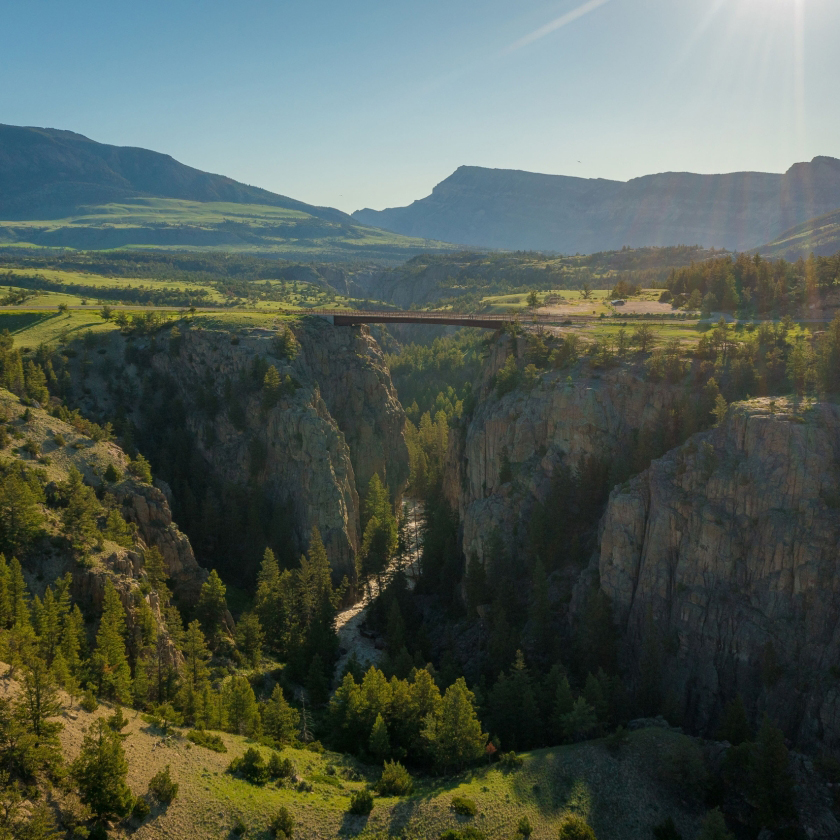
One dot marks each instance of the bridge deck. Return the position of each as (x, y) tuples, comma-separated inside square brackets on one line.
[(346, 318)]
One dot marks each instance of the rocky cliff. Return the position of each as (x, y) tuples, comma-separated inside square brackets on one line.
[(311, 447), (727, 550), (51, 450), (557, 420)]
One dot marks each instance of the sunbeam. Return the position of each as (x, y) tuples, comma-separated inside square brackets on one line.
[(554, 25)]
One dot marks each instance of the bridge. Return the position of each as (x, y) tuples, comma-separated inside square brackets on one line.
[(349, 318)]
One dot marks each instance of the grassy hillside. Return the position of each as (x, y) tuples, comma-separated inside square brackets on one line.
[(820, 236), (61, 189), (177, 224), (622, 794)]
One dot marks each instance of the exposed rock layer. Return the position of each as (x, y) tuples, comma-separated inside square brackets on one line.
[(731, 545), (557, 420)]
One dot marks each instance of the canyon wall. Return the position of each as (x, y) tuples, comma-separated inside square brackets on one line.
[(333, 423), (728, 550), (558, 420)]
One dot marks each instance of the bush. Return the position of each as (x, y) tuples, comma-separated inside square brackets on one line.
[(361, 802), (58, 439), (467, 833), (524, 827), (112, 474), (282, 825), (682, 768), (140, 810), (251, 767), (395, 780), (511, 761), (89, 702), (280, 768), (162, 788), (207, 740), (575, 827), (463, 806), (238, 828)]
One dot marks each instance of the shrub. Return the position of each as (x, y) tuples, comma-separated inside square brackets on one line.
[(467, 833), (282, 825), (575, 827), (238, 828), (58, 439), (112, 474), (617, 740), (361, 802), (141, 469), (682, 768), (162, 788), (207, 740), (395, 780), (280, 768), (463, 806), (251, 767), (140, 810), (511, 761), (89, 702), (524, 827)]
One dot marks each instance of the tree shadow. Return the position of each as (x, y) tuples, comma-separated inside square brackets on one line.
[(353, 824)]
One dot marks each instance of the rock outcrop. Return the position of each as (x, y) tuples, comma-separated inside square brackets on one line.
[(316, 448), (726, 554), (535, 429)]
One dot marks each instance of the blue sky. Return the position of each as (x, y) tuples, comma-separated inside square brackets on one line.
[(372, 102)]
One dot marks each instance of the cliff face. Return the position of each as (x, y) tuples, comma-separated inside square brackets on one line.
[(538, 428), (316, 449), (729, 547)]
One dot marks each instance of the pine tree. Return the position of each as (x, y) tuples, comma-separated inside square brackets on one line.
[(212, 608), (280, 720), (100, 772), (79, 519), (455, 735), (379, 742), (249, 638), (564, 702), (21, 518), (241, 706), (112, 673), (39, 699), (195, 674)]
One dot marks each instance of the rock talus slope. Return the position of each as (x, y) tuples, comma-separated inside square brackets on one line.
[(730, 547)]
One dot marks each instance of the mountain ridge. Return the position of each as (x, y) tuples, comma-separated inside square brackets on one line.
[(117, 171), (519, 210)]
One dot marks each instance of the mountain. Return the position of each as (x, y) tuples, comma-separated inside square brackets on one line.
[(511, 209), (59, 188), (820, 236)]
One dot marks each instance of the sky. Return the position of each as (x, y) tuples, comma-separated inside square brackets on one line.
[(371, 103)]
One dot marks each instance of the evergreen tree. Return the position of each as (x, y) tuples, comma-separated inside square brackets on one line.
[(379, 743), (454, 735), (241, 706), (110, 664), (212, 608), (195, 674), (100, 772), (39, 700), (79, 519), (21, 519), (280, 720), (249, 638)]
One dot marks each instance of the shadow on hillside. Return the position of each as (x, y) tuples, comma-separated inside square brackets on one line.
[(353, 824)]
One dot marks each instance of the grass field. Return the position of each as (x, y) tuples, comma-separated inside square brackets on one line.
[(186, 225)]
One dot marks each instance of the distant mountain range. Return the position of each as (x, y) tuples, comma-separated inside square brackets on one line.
[(59, 188), (515, 210)]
